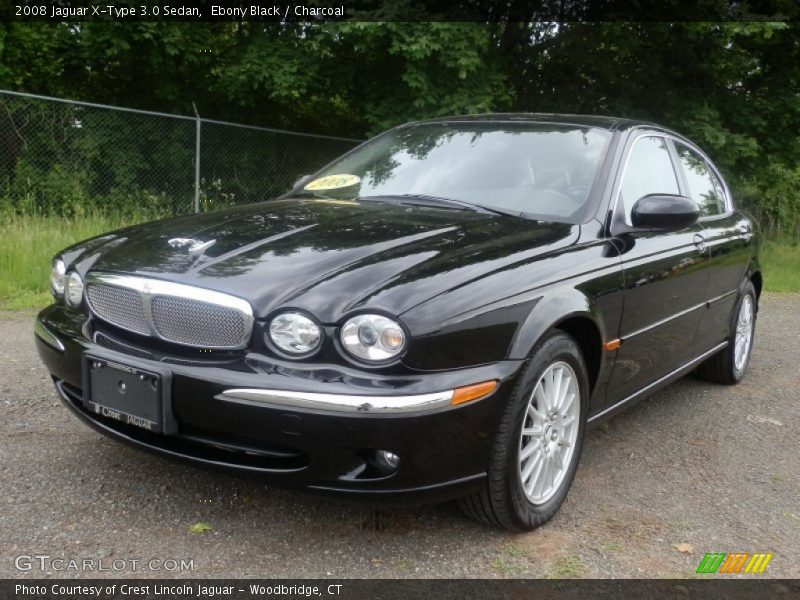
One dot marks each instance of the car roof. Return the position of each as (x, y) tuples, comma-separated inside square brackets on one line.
[(603, 122)]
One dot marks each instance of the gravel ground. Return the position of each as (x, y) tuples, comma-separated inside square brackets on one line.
[(714, 467)]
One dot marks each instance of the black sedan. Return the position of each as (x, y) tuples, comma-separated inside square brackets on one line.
[(437, 314)]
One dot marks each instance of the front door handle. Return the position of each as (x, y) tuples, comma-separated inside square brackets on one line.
[(699, 242)]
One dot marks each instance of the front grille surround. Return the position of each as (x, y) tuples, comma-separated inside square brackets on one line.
[(173, 312)]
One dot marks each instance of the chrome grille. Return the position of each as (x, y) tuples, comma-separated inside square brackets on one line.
[(196, 323), (122, 307), (177, 313)]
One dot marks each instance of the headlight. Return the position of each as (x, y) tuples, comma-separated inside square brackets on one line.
[(295, 333), (373, 337), (57, 277), (73, 292)]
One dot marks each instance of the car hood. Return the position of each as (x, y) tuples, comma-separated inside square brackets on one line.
[(325, 256)]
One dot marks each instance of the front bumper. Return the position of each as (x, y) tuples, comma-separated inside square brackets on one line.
[(314, 426)]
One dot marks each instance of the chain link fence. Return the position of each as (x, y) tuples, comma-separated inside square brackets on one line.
[(67, 158)]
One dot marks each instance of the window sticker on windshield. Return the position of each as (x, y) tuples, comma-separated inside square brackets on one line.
[(332, 182)]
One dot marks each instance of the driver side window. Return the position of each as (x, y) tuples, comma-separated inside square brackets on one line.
[(649, 171)]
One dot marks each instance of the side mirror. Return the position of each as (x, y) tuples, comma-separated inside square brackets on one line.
[(303, 179), (664, 212)]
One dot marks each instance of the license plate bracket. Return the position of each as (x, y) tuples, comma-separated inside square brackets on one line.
[(128, 393)]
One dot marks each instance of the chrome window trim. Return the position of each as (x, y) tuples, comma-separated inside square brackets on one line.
[(617, 188), (147, 288), (346, 403), (635, 140)]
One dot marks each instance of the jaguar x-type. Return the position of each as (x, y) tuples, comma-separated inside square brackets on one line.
[(437, 314)]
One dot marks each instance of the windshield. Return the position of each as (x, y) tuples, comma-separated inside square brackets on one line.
[(542, 169)]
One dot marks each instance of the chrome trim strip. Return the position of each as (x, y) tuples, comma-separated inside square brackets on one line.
[(339, 402), (681, 313), (663, 321), (148, 288), (658, 381), (159, 287), (721, 296), (47, 336)]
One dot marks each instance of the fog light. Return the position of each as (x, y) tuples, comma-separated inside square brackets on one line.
[(387, 461)]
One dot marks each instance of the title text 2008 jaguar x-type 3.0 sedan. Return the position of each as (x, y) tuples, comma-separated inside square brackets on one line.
[(437, 314)]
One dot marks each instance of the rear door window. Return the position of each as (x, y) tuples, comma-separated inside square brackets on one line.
[(705, 187)]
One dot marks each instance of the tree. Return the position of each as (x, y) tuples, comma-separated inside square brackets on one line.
[(733, 87)]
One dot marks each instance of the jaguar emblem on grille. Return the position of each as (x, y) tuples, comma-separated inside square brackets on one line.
[(193, 246)]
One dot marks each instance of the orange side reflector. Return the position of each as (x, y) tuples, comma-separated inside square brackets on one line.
[(473, 392), (612, 345)]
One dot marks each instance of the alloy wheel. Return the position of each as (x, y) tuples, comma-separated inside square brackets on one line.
[(549, 432), (744, 333)]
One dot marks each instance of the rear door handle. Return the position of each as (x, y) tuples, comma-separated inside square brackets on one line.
[(745, 231), (699, 242)]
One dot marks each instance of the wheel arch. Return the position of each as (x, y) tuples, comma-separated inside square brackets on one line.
[(586, 333), (572, 314), (758, 283)]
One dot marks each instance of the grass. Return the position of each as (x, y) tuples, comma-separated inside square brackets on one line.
[(500, 565), (27, 245), (781, 264), (567, 567), (613, 547)]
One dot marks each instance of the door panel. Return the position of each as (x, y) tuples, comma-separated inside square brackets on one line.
[(665, 276), (728, 237), (730, 243)]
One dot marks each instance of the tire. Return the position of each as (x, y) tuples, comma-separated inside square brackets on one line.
[(504, 501), (723, 367)]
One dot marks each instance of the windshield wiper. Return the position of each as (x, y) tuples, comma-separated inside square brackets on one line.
[(426, 200), (423, 200)]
